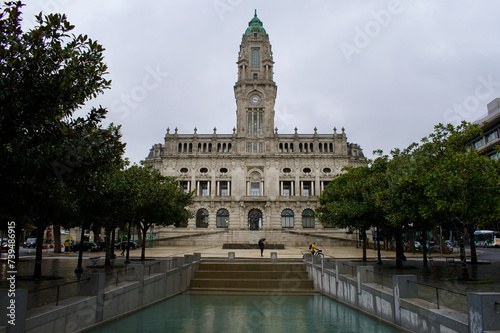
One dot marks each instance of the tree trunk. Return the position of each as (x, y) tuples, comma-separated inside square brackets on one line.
[(38, 256), (463, 258), (139, 235), (473, 250), (113, 244), (399, 249), (363, 236), (144, 228), (107, 261), (57, 238)]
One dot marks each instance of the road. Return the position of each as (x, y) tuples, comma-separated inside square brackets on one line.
[(491, 254)]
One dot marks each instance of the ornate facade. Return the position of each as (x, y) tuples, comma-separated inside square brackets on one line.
[(254, 178)]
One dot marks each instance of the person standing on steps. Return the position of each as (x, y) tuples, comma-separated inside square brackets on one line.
[(261, 246)]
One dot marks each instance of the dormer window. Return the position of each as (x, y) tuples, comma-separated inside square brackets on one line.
[(255, 58), (255, 76)]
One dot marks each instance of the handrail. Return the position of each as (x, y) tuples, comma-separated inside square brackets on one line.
[(123, 270), (437, 290), (381, 276), (57, 286), (352, 267), (149, 267)]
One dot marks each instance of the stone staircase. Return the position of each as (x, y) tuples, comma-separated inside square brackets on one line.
[(251, 277)]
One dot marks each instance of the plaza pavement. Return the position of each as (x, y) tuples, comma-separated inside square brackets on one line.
[(290, 252)]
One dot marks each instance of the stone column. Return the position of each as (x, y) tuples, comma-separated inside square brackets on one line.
[(403, 288), (364, 275), (484, 312), (92, 284), (15, 313)]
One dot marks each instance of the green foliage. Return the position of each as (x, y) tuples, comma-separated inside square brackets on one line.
[(157, 199), (51, 162), (436, 182)]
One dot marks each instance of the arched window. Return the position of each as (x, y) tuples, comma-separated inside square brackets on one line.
[(255, 58), (222, 218), (287, 218), (202, 218), (254, 219), (308, 219)]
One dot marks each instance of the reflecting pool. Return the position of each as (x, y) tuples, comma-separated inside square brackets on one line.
[(214, 313)]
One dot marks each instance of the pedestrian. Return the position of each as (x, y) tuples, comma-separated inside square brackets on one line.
[(66, 245), (261, 246), (124, 247)]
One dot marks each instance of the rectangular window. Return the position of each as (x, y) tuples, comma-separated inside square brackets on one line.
[(261, 115), (254, 189), (185, 186), (255, 58), (261, 147), (306, 189), (255, 76), (255, 123), (479, 144), (224, 188), (254, 147), (492, 136), (249, 147), (204, 189), (250, 123), (287, 188)]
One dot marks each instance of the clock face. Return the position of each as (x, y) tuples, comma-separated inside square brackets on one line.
[(255, 100)]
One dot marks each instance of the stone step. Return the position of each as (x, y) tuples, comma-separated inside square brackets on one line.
[(248, 266), (253, 284), (206, 274), (240, 291)]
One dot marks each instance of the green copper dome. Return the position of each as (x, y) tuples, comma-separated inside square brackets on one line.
[(255, 23)]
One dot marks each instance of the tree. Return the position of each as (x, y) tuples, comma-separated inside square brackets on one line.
[(158, 200), (464, 185), (348, 201), (46, 75)]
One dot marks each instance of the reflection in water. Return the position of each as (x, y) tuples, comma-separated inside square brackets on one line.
[(212, 313)]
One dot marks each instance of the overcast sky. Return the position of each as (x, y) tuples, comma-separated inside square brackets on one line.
[(387, 71)]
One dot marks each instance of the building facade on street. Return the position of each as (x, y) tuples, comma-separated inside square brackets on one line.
[(490, 124), (254, 178)]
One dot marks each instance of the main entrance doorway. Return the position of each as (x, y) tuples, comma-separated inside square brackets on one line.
[(254, 219)]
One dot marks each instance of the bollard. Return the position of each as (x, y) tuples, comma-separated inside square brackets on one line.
[(274, 256), (231, 256)]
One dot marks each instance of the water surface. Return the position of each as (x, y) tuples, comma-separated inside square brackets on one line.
[(213, 313)]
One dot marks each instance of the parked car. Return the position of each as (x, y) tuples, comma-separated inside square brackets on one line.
[(450, 243), (30, 242), (87, 247), (133, 245)]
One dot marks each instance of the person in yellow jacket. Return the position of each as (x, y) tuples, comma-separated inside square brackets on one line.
[(313, 248)]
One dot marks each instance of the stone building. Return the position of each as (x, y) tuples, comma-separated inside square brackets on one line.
[(254, 179)]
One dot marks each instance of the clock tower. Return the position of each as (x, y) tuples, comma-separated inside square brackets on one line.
[(255, 90)]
